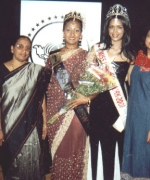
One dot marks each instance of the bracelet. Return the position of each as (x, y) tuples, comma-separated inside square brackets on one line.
[(89, 102), (44, 126)]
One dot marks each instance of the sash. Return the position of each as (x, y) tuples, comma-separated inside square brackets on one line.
[(116, 93), (67, 87)]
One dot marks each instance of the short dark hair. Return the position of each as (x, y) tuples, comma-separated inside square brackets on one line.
[(15, 39)]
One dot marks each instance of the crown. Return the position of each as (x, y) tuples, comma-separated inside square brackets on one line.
[(117, 10), (73, 15)]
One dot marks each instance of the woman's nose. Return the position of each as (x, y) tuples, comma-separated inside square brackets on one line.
[(72, 33)]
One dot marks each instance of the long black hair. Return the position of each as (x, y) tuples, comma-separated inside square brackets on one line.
[(126, 48)]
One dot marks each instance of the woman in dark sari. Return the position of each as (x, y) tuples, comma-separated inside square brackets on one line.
[(23, 115)]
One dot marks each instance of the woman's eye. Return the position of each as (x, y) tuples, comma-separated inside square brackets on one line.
[(68, 29), (77, 30), (120, 27)]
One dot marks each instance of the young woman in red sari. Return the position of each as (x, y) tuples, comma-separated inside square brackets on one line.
[(68, 134)]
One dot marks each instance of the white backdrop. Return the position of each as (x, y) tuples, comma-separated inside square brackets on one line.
[(42, 22)]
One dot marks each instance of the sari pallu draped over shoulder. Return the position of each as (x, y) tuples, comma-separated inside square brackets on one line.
[(67, 137), (23, 90)]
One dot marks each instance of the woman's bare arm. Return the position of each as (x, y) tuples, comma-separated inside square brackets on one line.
[(44, 133)]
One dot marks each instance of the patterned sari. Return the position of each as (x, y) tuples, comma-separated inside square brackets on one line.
[(23, 149), (67, 137)]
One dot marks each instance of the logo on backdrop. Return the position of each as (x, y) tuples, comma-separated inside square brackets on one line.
[(46, 36)]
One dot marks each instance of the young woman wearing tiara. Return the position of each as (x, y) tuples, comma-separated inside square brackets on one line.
[(68, 134), (108, 109), (136, 152)]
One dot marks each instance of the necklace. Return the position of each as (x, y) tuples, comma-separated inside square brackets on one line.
[(12, 65), (71, 48)]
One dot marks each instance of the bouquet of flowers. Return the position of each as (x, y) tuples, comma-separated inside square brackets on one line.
[(96, 78)]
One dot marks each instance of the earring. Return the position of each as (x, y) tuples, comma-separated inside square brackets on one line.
[(64, 42), (80, 40)]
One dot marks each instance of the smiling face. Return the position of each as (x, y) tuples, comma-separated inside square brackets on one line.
[(147, 40), (72, 33), (21, 49), (116, 30)]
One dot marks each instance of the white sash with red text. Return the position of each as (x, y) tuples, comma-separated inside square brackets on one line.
[(116, 93)]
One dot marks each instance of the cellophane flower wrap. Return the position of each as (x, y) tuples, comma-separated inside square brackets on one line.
[(96, 78)]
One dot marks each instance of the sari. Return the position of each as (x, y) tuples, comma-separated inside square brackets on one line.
[(24, 152), (67, 137)]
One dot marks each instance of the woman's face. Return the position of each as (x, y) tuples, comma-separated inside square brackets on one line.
[(21, 49), (72, 33), (116, 30), (147, 40)]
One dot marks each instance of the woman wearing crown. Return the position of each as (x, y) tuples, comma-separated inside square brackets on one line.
[(68, 134), (108, 109)]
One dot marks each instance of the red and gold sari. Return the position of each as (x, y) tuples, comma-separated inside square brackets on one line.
[(67, 137)]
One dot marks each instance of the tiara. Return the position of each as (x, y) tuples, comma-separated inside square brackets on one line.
[(73, 15), (117, 10)]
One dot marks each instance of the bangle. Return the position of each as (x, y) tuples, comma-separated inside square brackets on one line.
[(44, 126), (89, 102)]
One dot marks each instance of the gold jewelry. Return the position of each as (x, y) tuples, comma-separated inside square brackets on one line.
[(89, 102), (12, 65), (75, 15), (71, 48), (44, 126)]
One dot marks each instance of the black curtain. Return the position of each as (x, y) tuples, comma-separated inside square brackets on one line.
[(9, 26), (139, 13)]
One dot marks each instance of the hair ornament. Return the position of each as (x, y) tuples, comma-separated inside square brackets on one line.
[(117, 10), (75, 15)]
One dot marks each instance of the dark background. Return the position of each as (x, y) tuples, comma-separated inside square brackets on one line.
[(138, 10)]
